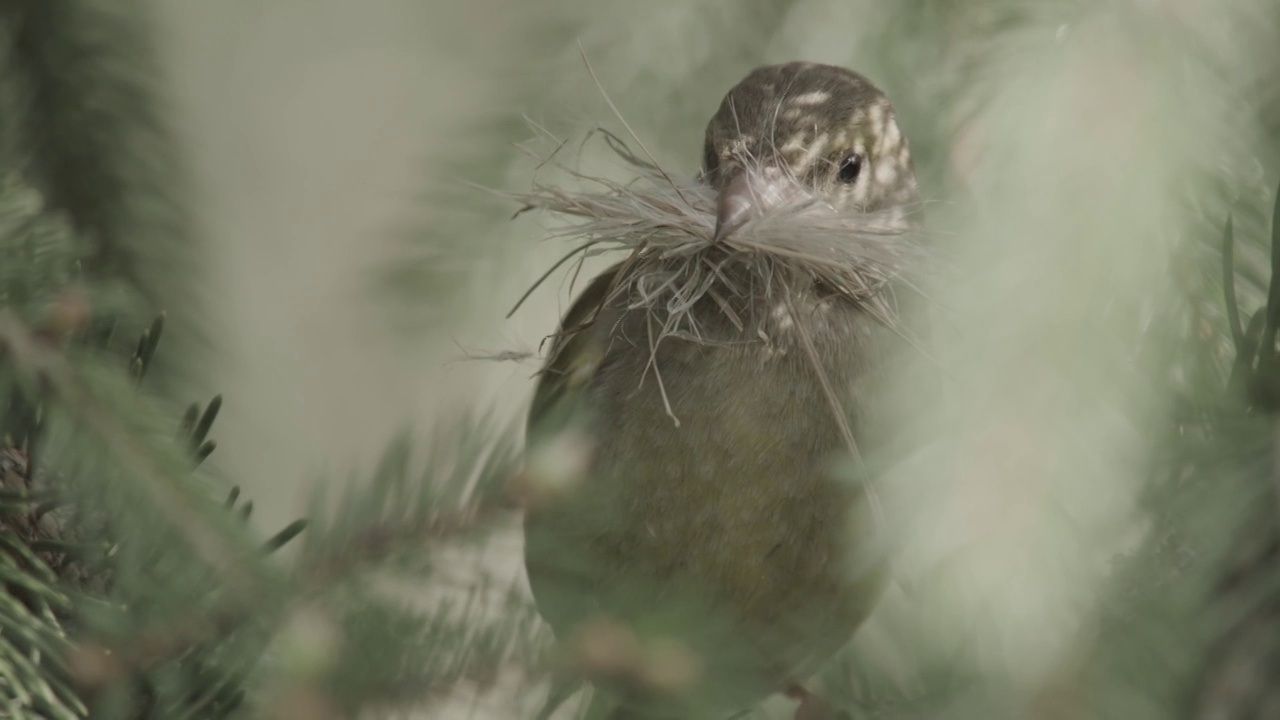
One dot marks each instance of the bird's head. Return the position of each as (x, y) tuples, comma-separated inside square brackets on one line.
[(804, 131)]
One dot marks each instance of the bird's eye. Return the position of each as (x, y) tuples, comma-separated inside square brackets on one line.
[(850, 168)]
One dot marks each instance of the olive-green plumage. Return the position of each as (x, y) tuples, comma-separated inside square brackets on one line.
[(710, 511)]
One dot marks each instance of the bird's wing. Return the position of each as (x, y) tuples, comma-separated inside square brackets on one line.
[(575, 355), (559, 586)]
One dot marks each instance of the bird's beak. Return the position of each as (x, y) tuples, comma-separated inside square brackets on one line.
[(746, 196)]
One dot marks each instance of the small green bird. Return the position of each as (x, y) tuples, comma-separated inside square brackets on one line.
[(709, 518)]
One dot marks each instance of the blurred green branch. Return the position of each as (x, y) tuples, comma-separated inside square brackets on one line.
[(44, 370)]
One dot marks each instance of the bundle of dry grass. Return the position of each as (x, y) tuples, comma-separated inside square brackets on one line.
[(665, 224)]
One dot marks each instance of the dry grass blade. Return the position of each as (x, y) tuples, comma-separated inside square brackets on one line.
[(666, 222)]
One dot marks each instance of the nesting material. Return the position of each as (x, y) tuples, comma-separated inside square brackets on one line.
[(661, 227)]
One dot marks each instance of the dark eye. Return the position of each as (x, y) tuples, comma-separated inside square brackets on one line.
[(849, 168)]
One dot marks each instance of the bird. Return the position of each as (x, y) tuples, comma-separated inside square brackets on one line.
[(708, 517)]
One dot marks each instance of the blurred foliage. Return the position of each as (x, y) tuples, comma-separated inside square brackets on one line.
[(134, 588), (86, 125), (1115, 556)]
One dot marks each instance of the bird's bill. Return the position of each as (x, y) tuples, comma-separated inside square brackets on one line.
[(747, 196)]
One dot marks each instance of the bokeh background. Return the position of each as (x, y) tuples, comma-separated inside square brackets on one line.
[(312, 129), (1080, 159)]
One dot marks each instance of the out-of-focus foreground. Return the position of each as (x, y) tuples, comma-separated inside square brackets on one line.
[(1086, 524)]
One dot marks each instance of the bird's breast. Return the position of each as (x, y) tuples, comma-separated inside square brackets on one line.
[(719, 460)]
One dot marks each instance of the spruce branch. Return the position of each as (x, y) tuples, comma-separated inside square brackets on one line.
[(91, 130), (46, 370), (402, 514), (33, 640)]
